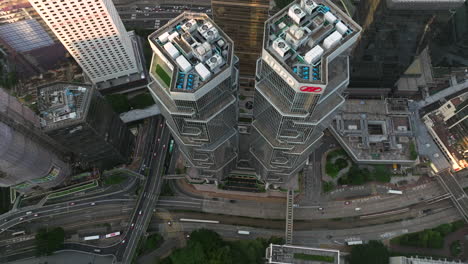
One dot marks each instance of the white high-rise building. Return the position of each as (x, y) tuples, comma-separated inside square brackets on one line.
[(91, 30)]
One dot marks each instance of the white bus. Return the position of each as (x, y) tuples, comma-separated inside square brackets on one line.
[(355, 242), (113, 234), (394, 192), (87, 238), (19, 233), (198, 221), (242, 232)]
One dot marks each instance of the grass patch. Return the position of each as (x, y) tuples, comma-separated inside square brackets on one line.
[(141, 101), (455, 248), (114, 179), (428, 238), (328, 187), (333, 168), (166, 189), (163, 75), (245, 119), (73, 190), (303, 256), (4, 200), (413, 152)]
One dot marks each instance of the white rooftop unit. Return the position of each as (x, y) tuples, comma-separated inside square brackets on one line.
[(163, 37), (340, 27), (296, 36), (203, 28), (183, 63), (171, 49), (296, 13), (280, 46), (332, 40), (202, 71), (313, 55), (308, 6), (202, 51), (214, 61), (189, 26), (211, 34), (173, 36), (330, 17)]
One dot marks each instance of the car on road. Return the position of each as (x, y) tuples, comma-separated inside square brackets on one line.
[(159, 139), (357, 209), (92, 203), (295, 205), (132, 225), (97, 250), (347, 202), (123, 241), (164, 146), (21, 218), (140, 212), (36, 215), (154, 154), (72, 203), (320, 208), (161, 125), (169, 223)]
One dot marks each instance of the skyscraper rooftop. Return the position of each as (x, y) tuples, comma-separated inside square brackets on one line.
[(304, 37), (62, 104), (199, 49)]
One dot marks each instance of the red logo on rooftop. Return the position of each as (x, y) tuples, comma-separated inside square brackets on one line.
[(310, 89)]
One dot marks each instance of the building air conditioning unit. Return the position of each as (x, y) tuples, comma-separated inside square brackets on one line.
[(204, 28), (296, 36), (202, 51), (189, 26), (214, 61), (296, 13), (308, 6), (281, 47), (211, 34)]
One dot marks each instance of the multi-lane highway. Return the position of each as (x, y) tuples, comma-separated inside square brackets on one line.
[(149, 196)]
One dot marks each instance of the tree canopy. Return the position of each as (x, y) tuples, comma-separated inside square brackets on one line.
[(206, 246), (49, 241), (371, 253)]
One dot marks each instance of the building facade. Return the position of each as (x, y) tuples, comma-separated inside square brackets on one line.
[(243, 21), (194, 74), (28, 159), (394, 33), (300, 78), (93, 34), (448, 125), (80, 119)]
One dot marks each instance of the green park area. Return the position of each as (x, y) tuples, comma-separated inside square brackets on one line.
[(319, 258), (48, 241), (163, 75), (206, 246), (114, 179), (429, 238)]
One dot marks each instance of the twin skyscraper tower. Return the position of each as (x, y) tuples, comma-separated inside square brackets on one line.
[(300, 77)]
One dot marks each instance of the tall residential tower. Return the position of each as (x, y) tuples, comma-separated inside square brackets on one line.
[(301, 75), (28, 158), (93, 34), (195, 85)]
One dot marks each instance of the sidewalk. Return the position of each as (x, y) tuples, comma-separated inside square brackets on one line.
[(212, 190)]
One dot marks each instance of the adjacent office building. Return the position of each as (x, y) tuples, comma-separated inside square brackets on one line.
[(194, 74), (78, 117), (94, 35), (243, 21), (30, 46), (300, 78), (448, 125), (28, 159), (394, 32)]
